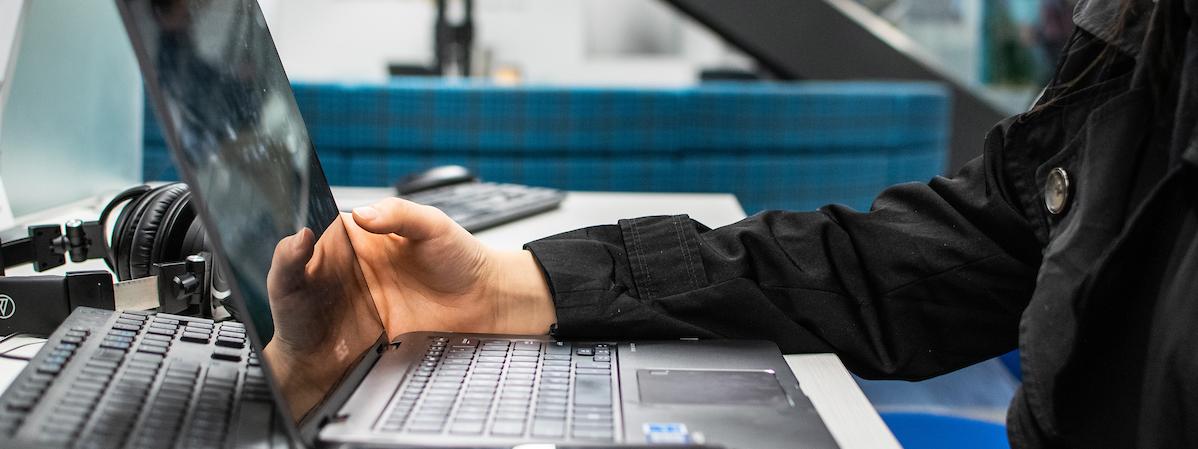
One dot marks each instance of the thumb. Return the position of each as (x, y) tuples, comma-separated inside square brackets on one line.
[(404, 218), (287, 267)]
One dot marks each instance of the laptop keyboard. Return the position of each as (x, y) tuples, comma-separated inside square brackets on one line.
[(508, 388), (139, 380), (481, 205)]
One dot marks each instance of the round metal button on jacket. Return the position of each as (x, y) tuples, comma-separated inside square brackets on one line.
[(1056, 191)]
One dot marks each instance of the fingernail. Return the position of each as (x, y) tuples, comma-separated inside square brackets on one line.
[(366, 213)]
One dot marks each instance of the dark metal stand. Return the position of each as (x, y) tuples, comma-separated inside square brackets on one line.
[(453, 41), (839, 39)]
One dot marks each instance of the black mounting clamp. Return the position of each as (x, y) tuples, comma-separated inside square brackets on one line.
[(184, 287), (46, 246)]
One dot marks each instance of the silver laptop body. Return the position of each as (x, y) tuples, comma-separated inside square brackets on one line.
[(230, 118)]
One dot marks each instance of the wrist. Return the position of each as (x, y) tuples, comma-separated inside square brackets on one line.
[(523, 303)]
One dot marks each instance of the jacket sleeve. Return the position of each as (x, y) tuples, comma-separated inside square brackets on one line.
[(933, 278)]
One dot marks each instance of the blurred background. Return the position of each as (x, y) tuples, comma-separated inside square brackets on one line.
[(789, 104), (1005, 48)]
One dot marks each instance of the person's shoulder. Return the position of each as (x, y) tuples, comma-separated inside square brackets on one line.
[(1110, 21)]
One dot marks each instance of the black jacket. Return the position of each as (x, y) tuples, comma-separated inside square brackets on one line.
[(1099, 297)]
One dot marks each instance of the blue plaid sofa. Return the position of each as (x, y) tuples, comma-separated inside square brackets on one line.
[(775, 145)]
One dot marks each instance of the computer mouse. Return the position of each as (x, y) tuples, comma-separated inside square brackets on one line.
[(433, 178)]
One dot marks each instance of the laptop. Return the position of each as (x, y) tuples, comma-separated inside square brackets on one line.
[(220, 92)]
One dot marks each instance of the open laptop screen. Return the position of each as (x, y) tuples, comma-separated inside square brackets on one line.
[(230, 119)]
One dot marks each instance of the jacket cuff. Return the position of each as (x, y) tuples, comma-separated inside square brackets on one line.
[(585, 269), (663, 253), (588, 270)]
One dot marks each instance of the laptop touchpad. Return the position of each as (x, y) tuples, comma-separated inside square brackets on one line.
[(659, 386)]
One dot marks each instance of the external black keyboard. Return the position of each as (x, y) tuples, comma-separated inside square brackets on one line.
[(481, 205), (136, 379), (508, 388)]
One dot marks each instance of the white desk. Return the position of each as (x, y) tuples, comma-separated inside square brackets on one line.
[(848, 414)]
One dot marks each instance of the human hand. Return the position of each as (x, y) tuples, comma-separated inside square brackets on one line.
[(426, 273), (323, 317)]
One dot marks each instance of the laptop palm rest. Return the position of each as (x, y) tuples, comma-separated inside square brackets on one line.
[(732, 393), (727, 393)]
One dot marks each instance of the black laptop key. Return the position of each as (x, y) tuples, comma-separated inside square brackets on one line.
[(593, 416), (126, 327), (129, 322), (142, 367), (194, 337), (230, 342), (592, 434), (150, 349), (157, 337), (508, 428), (118, 338), (158, 343), (549, 428), (139, 380), (169, 327), (598, 365), (592, 390), (232, 325), (161, 331), (200, 328), (467, 427), (160, 319), (530, 345), (188, 319), (118, 345), (229, 354), (22, 401), (98, 371)]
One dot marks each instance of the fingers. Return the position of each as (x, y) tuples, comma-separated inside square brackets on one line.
[(287, 267), (405, 218)]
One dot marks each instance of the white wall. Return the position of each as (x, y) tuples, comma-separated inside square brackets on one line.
[(349, 39), (10, 11), (548, 41)]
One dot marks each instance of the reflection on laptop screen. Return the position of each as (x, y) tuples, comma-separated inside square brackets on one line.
[(230, 118)]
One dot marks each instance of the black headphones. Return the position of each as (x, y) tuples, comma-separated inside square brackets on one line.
[(159, 225), (157, 234)]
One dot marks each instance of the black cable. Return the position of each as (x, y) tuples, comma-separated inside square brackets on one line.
[(20, 335), (6, 353), (8, 337)]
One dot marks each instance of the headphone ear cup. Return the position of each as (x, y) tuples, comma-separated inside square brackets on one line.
[(168, 245), (144, 228), (123, 231), (196, 239)]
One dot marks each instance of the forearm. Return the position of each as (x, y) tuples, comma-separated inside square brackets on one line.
[(932, 279)]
